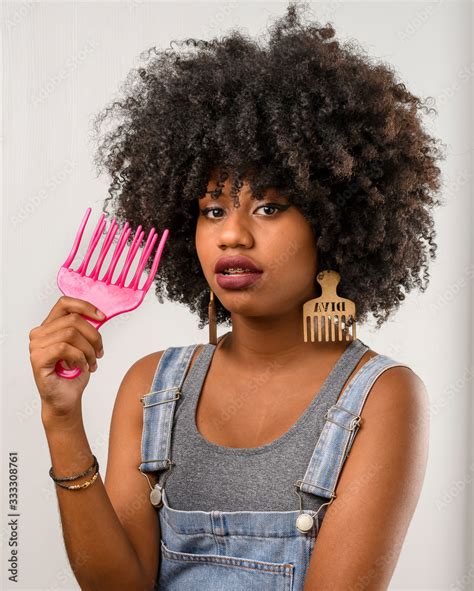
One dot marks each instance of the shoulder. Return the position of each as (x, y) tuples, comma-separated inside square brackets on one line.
[(142, 371), (399, 393), (140, 374), (398, 383)]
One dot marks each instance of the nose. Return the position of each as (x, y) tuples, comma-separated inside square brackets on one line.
[(235, 230)]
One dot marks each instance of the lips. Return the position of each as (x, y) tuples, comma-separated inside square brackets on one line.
[(237, 281), (234, 262)]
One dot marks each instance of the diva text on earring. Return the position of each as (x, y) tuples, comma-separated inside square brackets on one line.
[(328, 313)]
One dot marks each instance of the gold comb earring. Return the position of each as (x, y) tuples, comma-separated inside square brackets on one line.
[(329, 312), (211, 311)]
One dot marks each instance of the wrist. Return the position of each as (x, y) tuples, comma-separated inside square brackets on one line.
[(52, 420)]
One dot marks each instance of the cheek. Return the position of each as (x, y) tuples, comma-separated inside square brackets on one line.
[(293, 252)]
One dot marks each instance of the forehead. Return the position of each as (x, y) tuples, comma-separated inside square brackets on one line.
[(222, 189)]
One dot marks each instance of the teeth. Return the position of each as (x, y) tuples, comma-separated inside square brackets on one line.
[(236, 271)]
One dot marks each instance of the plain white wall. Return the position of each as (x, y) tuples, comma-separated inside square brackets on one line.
[(62, 62)]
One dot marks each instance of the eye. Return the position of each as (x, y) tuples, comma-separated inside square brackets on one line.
[(205, 210), (274, 206)]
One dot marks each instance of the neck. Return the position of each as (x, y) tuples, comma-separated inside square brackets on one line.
[(253, 341)]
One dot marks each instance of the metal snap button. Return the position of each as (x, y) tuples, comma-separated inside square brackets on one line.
[(156, 497), (304, 522)]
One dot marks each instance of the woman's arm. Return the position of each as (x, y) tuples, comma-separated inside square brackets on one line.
[(110, 532), (364, 528)]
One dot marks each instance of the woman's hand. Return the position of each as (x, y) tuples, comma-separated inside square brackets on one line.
[(65, 335)]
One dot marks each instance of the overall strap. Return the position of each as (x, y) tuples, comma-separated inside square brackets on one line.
[(159, 406), (341, 426)]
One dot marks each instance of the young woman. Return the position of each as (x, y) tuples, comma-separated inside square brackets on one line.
[(263, 460)]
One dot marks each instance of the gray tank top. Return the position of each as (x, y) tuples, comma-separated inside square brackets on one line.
[(208, 477)]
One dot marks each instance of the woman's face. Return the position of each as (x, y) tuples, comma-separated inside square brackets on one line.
[(280, 242)]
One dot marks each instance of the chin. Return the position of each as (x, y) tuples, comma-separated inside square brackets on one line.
[(244, 304)]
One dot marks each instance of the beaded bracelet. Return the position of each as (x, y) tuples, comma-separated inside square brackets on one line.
[(95, 465), (78, 486)]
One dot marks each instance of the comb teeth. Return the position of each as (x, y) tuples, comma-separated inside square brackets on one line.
[(329, 328), (120, 246), (329, 312)]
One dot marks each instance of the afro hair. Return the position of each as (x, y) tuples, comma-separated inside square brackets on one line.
[(335, 132)]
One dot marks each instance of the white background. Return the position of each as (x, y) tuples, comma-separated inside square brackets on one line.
[(62, 62)]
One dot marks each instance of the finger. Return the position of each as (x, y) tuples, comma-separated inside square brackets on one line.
[(89, 332), (65, 305), (68, 335), (47, 358)]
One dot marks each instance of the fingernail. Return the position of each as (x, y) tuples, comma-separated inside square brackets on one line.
[(94, 367), (100, 314), (100, 353)]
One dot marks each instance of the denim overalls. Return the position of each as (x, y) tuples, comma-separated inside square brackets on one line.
[(244, 550)]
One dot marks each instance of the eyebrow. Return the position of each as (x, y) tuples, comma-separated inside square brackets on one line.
[(222, 194)]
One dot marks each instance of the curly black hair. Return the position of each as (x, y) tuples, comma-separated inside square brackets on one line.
[(332, 130)]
